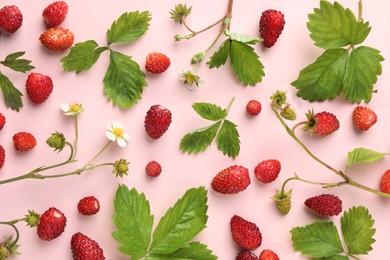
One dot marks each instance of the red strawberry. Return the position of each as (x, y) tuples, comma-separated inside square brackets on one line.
[(51, 225), (231, 180), (2, 121), (268, 254), (267, 170), (364, 118), (85, 248), (157, 121), (385, 182), (153, 169), (322, 124), (88, 206), (55, 13), (325, 204), (57, 39), (11, 18), (245, 233), (38, 87), (253, 107), (2, 156), (157, 63), (271, 26), (24, 141), (246, 255)]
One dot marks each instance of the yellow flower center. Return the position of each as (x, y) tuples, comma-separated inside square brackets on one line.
[(75, 108), (118, 132)]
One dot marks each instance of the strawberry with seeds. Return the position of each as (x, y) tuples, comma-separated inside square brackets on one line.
[(2, 156), (55, 13), (24, 141), (38, 87), (85, 248), (253, 107), (2, 121), (364, 118), (325, 204), (157, 121), (11, 18), (271, 26), (51, 225), (57, 39), (246, 255), (231, 180), (268, 170), (268, 254), (245, 234), (157, 63), (153, 169), (88, 206), (385, 182), (321, 124)]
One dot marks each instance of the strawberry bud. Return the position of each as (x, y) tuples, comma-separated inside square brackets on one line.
[(32, 219), (56, 141), (283, 201), (121, 168)]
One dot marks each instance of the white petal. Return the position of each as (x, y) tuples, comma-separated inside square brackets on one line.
[(65, 107), (110, 136), (126, 136), (121, 142), (117, 124)]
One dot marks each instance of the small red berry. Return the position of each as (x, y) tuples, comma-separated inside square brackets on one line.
[(157, 121), (268, 254), (245, 234), (2, 156), (11, 18), (153, 169), (253, 107), (2, 121), (38, 87), (55, 13), (385, 182), (57, 39), (271, 26), (51, 225), (322, 124), (24, 141), (157, 63), (364, 118), (85, 248), (246, 255), (325, 204), (267, 170), (231, 180), (88, 206)]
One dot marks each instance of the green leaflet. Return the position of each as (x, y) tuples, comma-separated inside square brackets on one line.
[(244, 38), (197, 141), (336, 257), (20, 65), (124, 80), (133, 221), (11, 95), (220, 57), (209, 111), (362, 155), (128, 27), (82, 56), (228, 140), (190, 251)]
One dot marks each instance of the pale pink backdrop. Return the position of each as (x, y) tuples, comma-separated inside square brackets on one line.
[(261, 138)]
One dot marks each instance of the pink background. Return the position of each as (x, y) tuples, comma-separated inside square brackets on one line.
[(261, 137)]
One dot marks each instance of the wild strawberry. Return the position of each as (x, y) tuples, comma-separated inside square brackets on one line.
[(2, 121), (85, 248), (57, 39), (325, 204), (153, 169), (157, 63), (231, 180), (51, 225), (271, 26), (283, 201), (88, 206), (246, 255), (253, 107), (38, 87), (267, 170), (245, 234), (55, 13), (268, 254), (2, 156), (24, 141), (364, 118), (157, 121), (322, 124), (11, 18), (385, 182)]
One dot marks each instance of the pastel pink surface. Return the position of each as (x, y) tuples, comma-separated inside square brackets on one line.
[(262, 137)]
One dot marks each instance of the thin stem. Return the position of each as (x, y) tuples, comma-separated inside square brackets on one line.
[(12, 224), (194, 33), (230, 104), (97, 155), (76, 140), (360, 14)]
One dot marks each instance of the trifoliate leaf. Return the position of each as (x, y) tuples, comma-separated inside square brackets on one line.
[(333, 26), (209, 111), (12, 96), (198, 140), (219, 57), (181, 222), (336, 257), (317, 240), (244, 38), (133, 221), (246, 64), (20, 65), (82, 56), (357, 228), (363, 68), (228, 140), (191, 251), (128, 27), (363, 155), (324, 78), (124, 80)]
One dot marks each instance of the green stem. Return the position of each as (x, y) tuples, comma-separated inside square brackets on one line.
[(12, 224), (76, 140), (97, 155), (229, 105), (360, 14)]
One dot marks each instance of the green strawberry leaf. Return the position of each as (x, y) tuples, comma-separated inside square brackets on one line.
[(190, 251), (133, 221), (244, 38), (357, 228), (333, 26), (363, 155), (124, 80), (246, 64), (209, 111), (363, 68), (12, 96), (82, 56), (220, 57), (20, 65), (335, 257), (317, 240), (323, 79), (128, 27), (197, 141), (228, 139), (181, 223)]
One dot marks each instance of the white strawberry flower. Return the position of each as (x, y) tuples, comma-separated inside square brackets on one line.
[(116, 133), (71, 109)]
